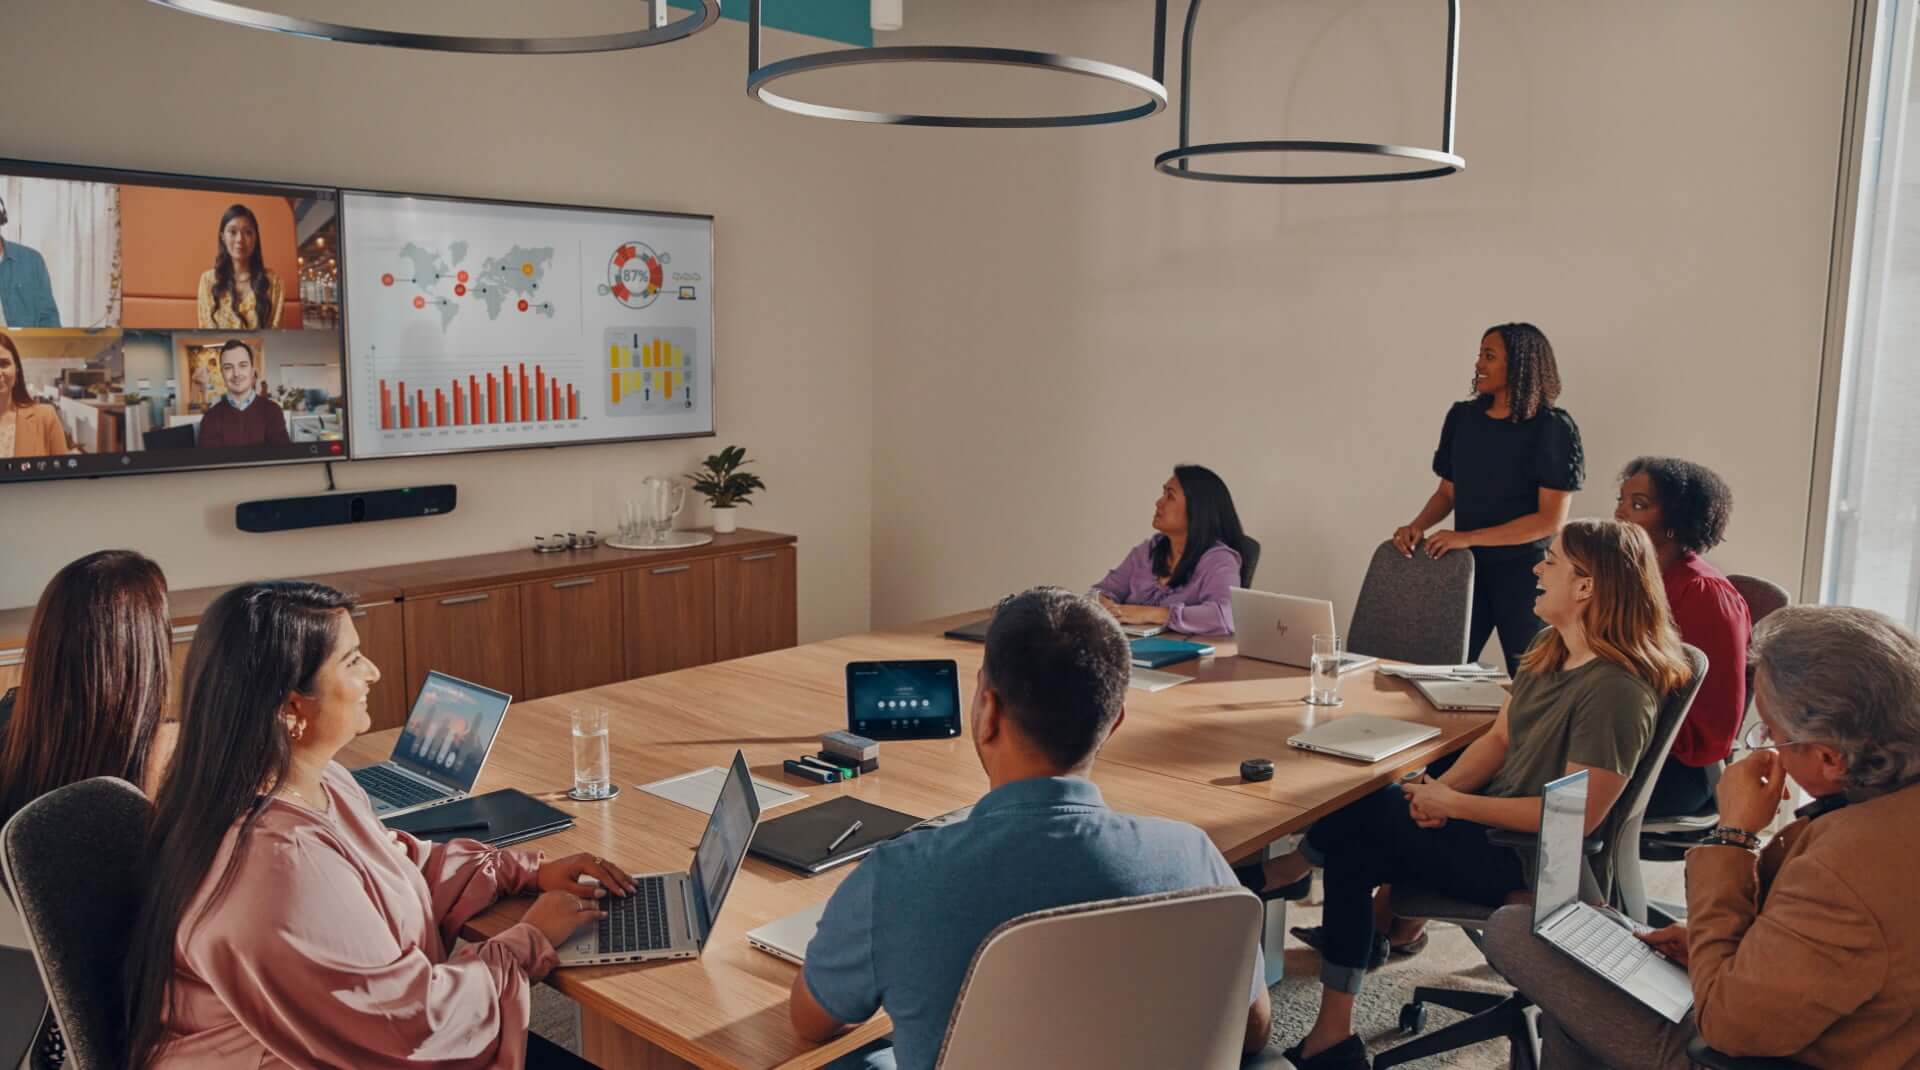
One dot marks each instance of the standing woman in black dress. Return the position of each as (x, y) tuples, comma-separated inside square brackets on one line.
[(1508, 462)]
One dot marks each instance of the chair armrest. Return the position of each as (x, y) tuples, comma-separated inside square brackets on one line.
[(1526, 841), (1702, 1055)]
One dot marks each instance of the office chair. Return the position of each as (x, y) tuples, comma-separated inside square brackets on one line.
[(1140, 983), (1249, 551), (79, 929), (1611, 874), (23, 1012), (1702, 1055), (1414, 608)]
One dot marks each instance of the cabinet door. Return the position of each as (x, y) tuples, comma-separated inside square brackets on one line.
[(756, 603), (474, 636), (571, 634), (383, 639), (177, 668), (10, 662), (669, 611)]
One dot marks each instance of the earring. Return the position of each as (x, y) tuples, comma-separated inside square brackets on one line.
[(296, 728), (1669, 533)]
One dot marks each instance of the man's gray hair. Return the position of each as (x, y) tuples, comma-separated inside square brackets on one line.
[(1849, 678)]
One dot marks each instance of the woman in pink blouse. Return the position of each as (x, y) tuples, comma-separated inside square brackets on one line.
[(1178, 579), (282, 924)]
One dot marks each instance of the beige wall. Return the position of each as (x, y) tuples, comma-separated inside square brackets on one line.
[(1056, 325), (132, 85)]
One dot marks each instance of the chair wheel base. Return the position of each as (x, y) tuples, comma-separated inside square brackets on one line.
[(1413, 1019)]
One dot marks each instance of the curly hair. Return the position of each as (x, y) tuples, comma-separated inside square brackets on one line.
[(1695, 502), (1533, 379)]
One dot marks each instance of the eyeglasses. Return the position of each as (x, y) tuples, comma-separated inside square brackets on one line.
[(1760, 737)]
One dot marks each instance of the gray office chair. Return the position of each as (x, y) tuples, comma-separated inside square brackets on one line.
[(1611, 875), (79, 927), (1249, 551), (1414, 608), (1141, 983), (23, 1013), (1702, 1055)]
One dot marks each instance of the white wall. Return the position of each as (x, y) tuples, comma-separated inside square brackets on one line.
[(128, 84), (1056, 324)]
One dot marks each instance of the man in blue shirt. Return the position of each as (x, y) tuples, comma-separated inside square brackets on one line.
[(903, 928), (26, 290)]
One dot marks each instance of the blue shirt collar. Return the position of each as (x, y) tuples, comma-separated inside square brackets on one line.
[(1040, 793), (241, 406)]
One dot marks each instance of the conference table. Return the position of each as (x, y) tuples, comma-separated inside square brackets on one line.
[(1176, 755)]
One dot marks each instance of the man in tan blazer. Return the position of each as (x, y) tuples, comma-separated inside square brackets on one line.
[(1807, 949)]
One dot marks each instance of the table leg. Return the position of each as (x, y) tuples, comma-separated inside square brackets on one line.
[(604, 1044)]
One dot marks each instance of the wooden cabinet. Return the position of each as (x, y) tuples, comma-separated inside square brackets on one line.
[(474, 635), (9, 670), (383, 639), (571, 634), (756, 604), (669, 615)]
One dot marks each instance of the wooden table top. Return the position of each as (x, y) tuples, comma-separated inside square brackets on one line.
[(1177, 755)]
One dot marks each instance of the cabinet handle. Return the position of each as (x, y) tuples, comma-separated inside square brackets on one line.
[(10, 658), (768, 556), (461, 600), (561, 585), (671, 569), (184, 633), (357, 614)]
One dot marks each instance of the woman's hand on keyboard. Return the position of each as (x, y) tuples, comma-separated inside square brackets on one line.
[(584, 875), (558, 915)]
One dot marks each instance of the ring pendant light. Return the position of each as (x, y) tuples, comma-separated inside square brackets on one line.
[(1427, 163), (660, 30), (1153, 88)]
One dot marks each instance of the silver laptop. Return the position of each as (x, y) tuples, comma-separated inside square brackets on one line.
[(1600, 939), (671, 915), (788, 937), (448, 735), (1481, 695), (1281, 627), (1364, 737)]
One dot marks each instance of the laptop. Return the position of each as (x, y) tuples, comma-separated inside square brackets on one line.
[(1602, 940), (671, 915), (788, 937), (448, 735), (1457, 695), (975, 631), (1364, 737), (1281, 627)]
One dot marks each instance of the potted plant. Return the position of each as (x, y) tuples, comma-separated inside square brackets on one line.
[(725, 485)]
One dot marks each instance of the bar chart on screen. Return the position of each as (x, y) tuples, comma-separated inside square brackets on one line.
[(417, 404)]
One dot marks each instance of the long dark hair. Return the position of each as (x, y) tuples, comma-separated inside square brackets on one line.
[(1533, 379), (20, 395), (256, 267), (257, 644), (95, 678), (1211, 519)]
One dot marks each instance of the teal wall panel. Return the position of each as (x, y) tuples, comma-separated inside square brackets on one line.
[(846, 21)]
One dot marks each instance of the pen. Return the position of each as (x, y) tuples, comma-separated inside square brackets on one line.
[(842, 838), (467, 826)]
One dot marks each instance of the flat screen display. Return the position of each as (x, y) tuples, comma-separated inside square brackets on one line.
[(155, 322), (482, 325), (903, 699)]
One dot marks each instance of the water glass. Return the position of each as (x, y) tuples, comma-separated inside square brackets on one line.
[(592, 776), (1324, 685)]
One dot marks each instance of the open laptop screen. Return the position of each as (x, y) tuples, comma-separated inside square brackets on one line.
[(1563, 823), (451, 729), (723, 847)]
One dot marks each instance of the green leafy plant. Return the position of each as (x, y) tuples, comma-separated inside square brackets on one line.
[(722, 481)]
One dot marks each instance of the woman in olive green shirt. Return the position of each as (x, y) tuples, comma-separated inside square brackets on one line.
[(1585, 698)]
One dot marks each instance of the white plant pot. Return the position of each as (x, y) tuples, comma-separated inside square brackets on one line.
[(725, 519)]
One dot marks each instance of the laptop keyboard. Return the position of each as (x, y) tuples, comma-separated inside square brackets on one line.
[(390, 787), (636, 922), (1601, 944)]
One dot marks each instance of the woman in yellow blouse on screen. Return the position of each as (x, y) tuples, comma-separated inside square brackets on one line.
[(238, 286)]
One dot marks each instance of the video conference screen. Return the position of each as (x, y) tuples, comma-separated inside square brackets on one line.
[(151, 323)]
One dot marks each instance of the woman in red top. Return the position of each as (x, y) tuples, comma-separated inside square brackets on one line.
[(1685, 508)]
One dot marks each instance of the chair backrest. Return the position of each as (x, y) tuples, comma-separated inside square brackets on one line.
[(1617, 866), (1145, 982), (1249, 551), (70, 858), (1763, 596), (1414, 608)]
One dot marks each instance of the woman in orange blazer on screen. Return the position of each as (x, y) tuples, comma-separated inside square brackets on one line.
[(27, 428), (238, 292)]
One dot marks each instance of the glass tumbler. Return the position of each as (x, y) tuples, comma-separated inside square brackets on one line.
[(1324, 683), (592, 773)]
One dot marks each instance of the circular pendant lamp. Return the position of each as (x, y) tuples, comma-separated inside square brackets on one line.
[(659, 30), (1152, 88), (1421, 163)]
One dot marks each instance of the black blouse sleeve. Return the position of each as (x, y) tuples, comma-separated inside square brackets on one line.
[(1443, 456), (1559, 463)]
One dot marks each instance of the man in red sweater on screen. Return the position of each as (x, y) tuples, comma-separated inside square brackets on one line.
[(242, 417)]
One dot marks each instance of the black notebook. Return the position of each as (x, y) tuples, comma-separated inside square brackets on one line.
[(801, 840), (509, 816)]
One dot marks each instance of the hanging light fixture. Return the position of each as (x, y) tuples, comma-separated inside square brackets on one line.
[(660, 30), (1425, 163), (1153, 88)]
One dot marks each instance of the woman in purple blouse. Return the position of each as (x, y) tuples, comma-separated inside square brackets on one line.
[(1179, 577)]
